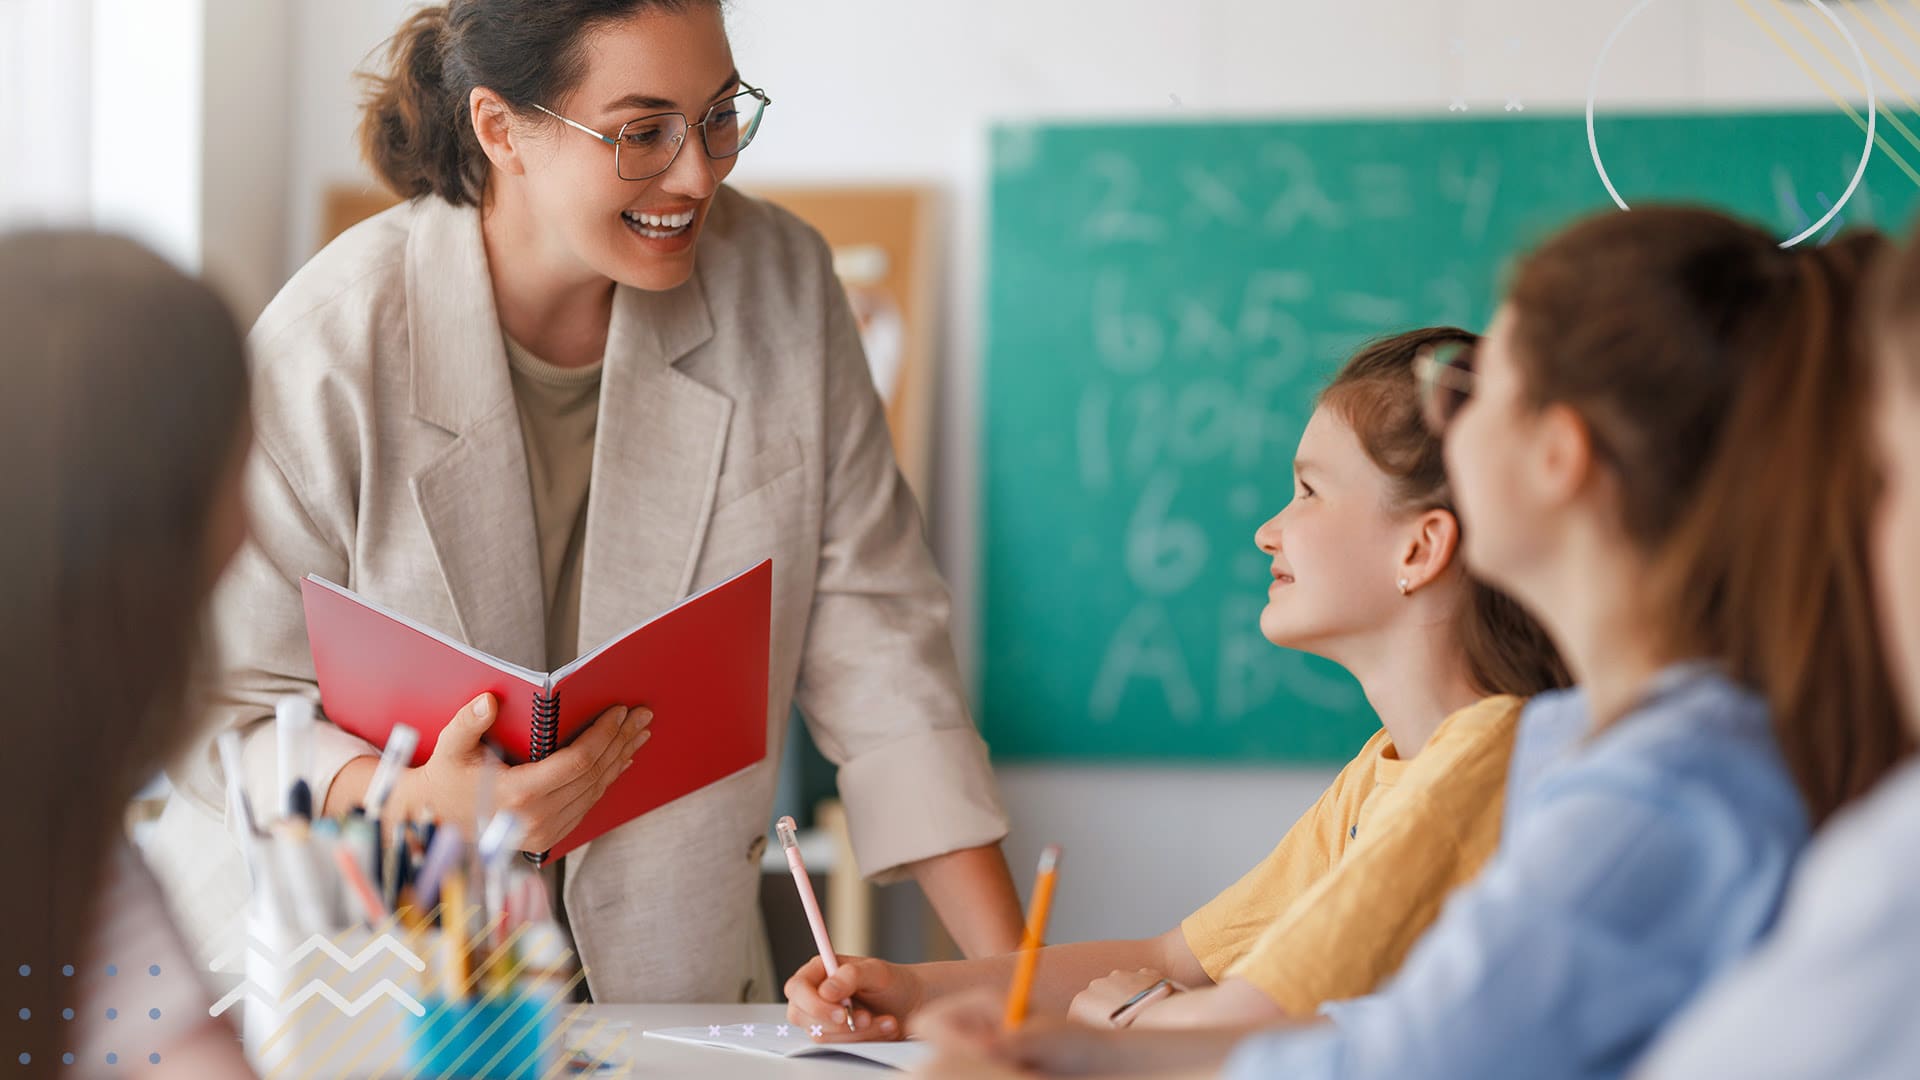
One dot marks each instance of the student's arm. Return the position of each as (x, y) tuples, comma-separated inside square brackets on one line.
[(1056, 1047), (884, 991), (1235, 1003), (1353, 927)]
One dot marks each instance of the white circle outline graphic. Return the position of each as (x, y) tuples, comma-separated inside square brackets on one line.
[(1593, 91)]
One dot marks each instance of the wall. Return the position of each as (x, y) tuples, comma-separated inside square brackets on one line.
[(902, 89)]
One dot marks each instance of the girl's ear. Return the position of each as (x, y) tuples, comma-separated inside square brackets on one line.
[(1430, 550), (1564, 462), (493, 125)]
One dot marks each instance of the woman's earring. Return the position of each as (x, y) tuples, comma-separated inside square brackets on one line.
[(1406, 589)]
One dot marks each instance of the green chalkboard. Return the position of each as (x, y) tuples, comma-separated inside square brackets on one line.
[(1163, 300)]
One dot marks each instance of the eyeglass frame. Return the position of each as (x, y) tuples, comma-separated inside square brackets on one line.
[(1433, 376), (615, 140)]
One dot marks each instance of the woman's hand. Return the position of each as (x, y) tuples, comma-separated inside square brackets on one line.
[(1103, 997), (889, 992), (550, 795)]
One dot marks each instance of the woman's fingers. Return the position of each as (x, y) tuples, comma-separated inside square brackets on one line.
[(555, 794)]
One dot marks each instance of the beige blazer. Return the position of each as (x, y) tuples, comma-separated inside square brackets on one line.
[(737, 422)]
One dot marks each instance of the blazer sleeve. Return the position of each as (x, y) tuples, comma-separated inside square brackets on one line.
[(258, 632), (879, 684)]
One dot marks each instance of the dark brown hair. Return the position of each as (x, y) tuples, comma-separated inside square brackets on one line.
[(1378, 396), (414, 128), (1896, 315), (123, 398), (1724, 382)]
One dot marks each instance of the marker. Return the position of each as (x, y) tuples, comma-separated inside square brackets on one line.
[(498, 845), (790, 843), (239, 807), (293, 857), (394, 760), (294, 725), (1036, 933)]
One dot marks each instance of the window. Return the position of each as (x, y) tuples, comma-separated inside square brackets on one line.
[(45, 75)]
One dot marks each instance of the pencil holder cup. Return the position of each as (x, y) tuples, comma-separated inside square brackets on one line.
[(499, 1038), (339, 1005)]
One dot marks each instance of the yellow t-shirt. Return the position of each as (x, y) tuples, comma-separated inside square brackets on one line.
[(1333, 910)]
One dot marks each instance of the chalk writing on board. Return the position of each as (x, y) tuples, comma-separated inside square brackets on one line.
[(1115, 216), (1301, 197), (1145, 647)]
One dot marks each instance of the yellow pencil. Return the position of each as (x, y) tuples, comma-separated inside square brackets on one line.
[(453, 934), (1036, 934)]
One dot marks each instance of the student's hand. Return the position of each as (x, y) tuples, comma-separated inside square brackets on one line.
[(970, 1028), (1095, 1005), (883, 994), (551, 795)]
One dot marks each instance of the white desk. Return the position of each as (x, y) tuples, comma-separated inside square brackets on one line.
[(659, 1058)]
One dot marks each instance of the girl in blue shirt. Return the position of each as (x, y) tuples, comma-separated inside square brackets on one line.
[(1658, 449)]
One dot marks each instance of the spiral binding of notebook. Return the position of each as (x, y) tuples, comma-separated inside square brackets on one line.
[(546, 726), (543, 741)]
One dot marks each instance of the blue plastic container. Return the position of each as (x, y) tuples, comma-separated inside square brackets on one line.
[(499, 1039)]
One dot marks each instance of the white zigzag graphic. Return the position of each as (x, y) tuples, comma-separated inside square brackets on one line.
[(319, 942), (316, 988)]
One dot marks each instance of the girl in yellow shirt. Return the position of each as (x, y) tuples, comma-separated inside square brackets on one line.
[(1367, 572)]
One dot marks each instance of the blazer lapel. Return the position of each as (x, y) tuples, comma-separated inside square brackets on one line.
[(474, 498), (656, 464)]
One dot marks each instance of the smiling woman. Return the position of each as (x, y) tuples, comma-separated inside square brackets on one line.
[(574, 379)]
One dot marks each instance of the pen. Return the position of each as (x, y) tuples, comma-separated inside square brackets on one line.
[(1036, 933), (1124, 1015), (357, 881), (443, 856), (790, 842), (294, 718)]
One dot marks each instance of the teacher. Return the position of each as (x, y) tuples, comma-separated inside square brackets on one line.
[(570, 382)]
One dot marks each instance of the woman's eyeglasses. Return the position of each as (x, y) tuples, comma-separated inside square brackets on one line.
[(647, 147), (1446, 380)]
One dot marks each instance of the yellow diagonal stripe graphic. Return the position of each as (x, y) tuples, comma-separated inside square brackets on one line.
[(1852, 75), (1847, 107)]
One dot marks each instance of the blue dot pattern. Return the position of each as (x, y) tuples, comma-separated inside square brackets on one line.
[(25, 971), (25, 1058), (155, 1013), (67, 970), (153, 969), (66, 1058), (155, 1058), (26, 1014), (112, 970), (66, 1014), (113, 1014), (113, 1059)]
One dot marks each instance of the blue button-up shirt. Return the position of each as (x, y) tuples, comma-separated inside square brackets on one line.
[(1634, 865)]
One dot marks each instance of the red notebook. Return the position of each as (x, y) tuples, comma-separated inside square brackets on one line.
[(701, 667)]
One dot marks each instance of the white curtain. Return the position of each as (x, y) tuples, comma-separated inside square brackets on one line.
[(46, 153)]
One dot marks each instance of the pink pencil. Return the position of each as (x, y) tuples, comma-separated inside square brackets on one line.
[(790, 842)]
